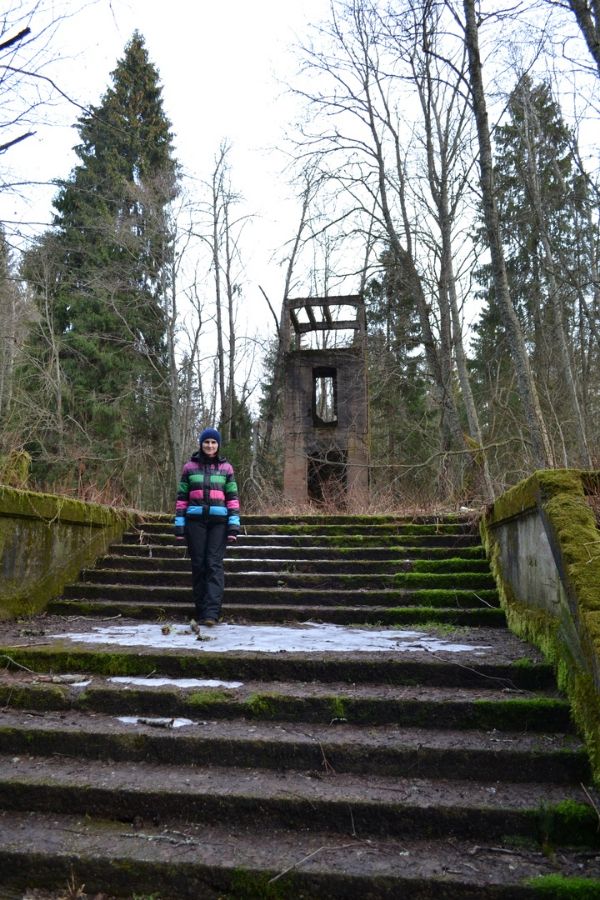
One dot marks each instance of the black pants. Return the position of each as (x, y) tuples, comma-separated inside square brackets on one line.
[(206, 544)]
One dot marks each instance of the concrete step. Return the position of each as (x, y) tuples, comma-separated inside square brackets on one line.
[(349, 541), (260, 577), (295, 565), (170, 549), (327, 527), (127, 647), (410, 808), (186, 860), (366, 704), (389, 750), (280, 613), (275, 521), (166, 594)]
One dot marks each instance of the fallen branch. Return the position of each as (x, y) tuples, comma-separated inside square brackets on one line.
[(18, 665), (329, 770), (305, 858), (177, 840), (485, 602), (477, 849), (592, 802), (20, 646)]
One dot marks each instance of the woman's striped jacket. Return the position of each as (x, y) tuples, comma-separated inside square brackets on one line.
[(207, 490)]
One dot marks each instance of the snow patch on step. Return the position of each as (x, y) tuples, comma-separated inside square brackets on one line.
[(309, 637), (176, 682), (155, 722)]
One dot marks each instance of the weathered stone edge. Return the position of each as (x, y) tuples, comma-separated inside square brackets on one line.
[(559, 497), (45, 541)]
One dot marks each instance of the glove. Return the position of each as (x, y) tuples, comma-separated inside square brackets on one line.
[(231, 538)]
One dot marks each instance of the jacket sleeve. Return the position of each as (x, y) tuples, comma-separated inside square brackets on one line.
[(233, 503), (181, 504)]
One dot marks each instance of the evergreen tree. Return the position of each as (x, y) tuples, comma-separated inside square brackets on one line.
[(270, 459), (104, 270), (541, 203), (404, 421), (238, 449)]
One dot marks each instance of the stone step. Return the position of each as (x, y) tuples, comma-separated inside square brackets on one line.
[(392, 529), (144, 562), (410, 808), (307, 582), (188, 860), (350, 542), (277, 613), (172, 550), (386, 750), (167, 594), (486, 663), (366, 704), (354, 528), (275, 521)]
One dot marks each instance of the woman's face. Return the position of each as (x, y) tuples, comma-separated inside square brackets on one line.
[(210, 447)]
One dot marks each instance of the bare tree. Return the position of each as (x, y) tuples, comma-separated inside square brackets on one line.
[(446, 137), (274, 390), (560, 342), (540, 445), (371, 60), (40, 414), (27, 32), (224, 243), (11, 327), (587, 15)]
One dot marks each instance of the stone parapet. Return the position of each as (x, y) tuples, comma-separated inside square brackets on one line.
[(543, 543), (45, 541)]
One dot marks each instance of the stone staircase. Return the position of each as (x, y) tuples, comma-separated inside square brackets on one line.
[(138, 761)]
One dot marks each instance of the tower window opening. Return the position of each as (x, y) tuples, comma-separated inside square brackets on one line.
[(324, 396)]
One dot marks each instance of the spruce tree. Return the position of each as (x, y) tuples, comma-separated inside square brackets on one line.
[(108, 251), (404, 419), (541, 203)]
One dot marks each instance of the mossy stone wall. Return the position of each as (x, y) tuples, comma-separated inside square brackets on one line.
[(544, 547), (44, 543)]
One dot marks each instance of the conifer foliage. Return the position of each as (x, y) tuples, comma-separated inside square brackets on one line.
[(100, 279), (544, 206)]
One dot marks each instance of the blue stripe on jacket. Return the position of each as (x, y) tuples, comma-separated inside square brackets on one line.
[(212, 511)]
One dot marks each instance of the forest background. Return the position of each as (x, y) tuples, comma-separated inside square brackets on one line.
[(443, 158)]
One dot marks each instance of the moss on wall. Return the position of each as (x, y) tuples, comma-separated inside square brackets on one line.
[(45, 541), (558, 497), (14, 468)]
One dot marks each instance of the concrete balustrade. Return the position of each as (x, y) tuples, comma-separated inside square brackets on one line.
[(45, 541), (543, 543)]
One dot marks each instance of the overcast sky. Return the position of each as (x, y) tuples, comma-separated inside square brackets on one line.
[(223, 67)]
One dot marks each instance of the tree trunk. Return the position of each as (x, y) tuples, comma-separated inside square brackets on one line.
[(275, 386), (587, 14), (540, 445), (583, 458), (216, 200), (230, 289)]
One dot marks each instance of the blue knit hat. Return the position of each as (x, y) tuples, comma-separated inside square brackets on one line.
[(210, 433)]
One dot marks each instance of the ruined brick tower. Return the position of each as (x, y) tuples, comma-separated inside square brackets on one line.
[(326, 410)]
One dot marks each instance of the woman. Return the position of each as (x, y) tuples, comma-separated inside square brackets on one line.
[(207, 516)]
